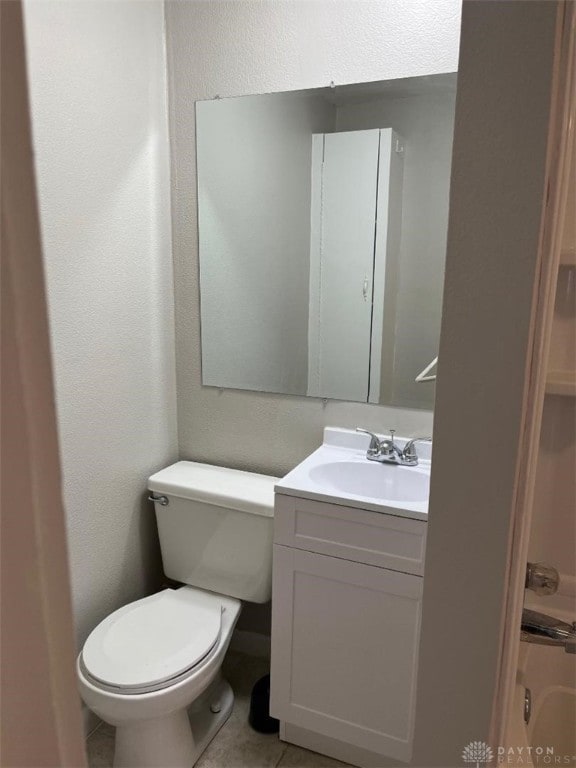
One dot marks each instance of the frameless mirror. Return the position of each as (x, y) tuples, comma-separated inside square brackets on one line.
[(322, 238)]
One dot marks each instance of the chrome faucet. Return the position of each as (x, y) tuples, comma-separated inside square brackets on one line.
[(386, 451), (546, 630)]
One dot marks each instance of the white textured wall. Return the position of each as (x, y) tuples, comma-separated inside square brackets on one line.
[(426, 124), (254, 161), (233, 48), (96, 72)]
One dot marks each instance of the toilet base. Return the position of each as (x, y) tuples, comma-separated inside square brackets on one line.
[(178, 740)]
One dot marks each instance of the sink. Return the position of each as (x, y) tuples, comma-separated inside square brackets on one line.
[(339, 473), (384, 482)]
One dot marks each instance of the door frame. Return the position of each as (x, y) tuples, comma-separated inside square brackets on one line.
[(560, 153)]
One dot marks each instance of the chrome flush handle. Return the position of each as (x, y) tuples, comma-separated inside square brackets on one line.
[(156, 498)]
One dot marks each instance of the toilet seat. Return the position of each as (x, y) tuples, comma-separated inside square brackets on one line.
[(153, 643)]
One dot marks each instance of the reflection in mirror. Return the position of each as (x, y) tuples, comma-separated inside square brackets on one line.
[(322, 238)]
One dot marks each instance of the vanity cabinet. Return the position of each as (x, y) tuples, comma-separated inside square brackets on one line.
[(346, 606)]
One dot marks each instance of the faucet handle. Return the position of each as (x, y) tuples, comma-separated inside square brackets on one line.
[(409, 451), (374, 446), (542, 579)]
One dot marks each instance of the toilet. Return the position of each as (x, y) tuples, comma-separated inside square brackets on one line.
[(152, 668)]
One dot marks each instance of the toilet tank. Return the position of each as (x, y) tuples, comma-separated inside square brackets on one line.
[(215, 528)]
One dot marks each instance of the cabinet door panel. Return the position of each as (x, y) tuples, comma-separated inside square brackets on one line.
[(363, 536), (344, 650)]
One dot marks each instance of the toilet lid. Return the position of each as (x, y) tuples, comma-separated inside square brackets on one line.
[(153, 640)]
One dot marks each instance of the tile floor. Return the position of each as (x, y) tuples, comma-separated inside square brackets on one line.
[(236, 745)]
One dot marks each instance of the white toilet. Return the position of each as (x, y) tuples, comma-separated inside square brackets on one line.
[(152, 668)]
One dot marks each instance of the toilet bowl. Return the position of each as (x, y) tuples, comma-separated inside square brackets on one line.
[(148, 696), (152, 668)]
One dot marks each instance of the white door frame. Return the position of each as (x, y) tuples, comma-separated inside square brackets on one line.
[(560, 154)]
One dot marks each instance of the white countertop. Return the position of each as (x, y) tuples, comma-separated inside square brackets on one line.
[(345, 448)]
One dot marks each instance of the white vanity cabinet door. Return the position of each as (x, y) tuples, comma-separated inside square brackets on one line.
[(344, 650)]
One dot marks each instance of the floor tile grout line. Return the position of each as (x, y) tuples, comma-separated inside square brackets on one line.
[(97, 727), (284, 750)]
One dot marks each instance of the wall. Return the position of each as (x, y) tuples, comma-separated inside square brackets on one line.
[(425, 122), (38, 682), (254, 160), (233, 48), (96, 72), (497, 194)]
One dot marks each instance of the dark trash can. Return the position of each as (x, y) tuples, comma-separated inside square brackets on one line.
[(259, 717)]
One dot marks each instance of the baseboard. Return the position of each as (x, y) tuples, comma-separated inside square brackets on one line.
[(346, 753), (90, 720), (251, 643)]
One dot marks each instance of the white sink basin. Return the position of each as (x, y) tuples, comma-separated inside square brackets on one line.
[(339, 473), (382, 482)]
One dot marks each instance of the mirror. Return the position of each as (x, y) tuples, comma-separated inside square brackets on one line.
[(322, 238)]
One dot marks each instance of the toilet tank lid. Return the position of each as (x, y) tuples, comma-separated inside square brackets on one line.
[(221, 486)]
